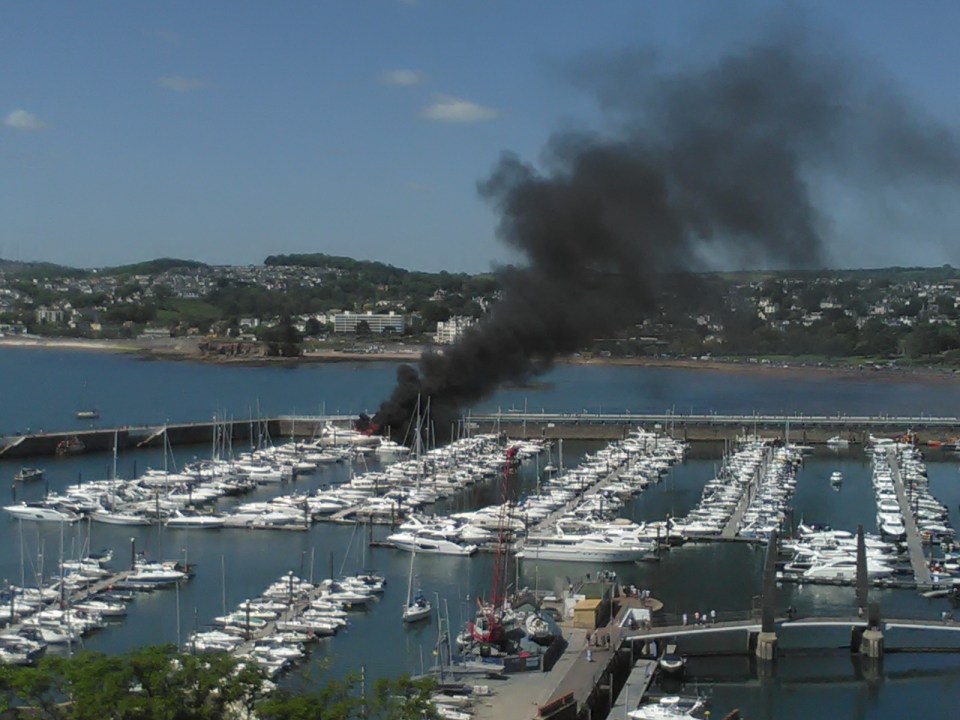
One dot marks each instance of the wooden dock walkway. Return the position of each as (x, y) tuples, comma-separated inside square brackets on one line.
[(592, 490), (733, 524), (268, 630), (77, 596), (921, 572)]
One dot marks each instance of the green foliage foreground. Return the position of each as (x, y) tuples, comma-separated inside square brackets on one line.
[(159, 683)]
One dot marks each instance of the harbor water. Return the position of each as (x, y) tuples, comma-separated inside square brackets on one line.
[(44, 389)]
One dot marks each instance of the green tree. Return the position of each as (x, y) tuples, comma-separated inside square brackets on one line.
[(162, 293), (433, 312), (877, 339), (392, 699), (151, 683), (313, 327), (922, 342), (283, 340)]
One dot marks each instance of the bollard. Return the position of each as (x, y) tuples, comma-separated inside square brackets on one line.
[(871, 643), (766, 646)]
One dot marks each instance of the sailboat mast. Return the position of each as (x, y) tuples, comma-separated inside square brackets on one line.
[(413, 555), (63, 594), (223, 586), (23, 573)]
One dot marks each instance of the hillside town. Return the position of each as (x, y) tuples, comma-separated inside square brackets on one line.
[(292, 304)]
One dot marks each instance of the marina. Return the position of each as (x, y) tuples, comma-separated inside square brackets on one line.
[(271, 630), (254, 555)]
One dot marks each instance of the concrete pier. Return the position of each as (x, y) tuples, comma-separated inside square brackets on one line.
[(636, 687), (568, 683)]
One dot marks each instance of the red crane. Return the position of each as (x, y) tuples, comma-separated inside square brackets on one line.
[(488, 627)]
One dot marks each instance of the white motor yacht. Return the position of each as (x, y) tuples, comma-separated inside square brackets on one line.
[(845, 568), (431, 545), (188, 520), (592, 548), (391, 449), (40, 513), (116, 517), (671, 707)]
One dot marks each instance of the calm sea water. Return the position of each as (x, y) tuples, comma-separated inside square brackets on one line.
[(43, 389)]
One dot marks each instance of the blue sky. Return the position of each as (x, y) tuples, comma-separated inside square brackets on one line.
[(228, 131)]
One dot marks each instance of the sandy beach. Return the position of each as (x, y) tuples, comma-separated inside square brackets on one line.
[(20, 341)]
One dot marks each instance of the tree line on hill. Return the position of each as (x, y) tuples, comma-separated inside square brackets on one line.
[(828, 313)]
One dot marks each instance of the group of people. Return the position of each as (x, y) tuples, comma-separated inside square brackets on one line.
[(598, 639), (635, 592), (700, 618)]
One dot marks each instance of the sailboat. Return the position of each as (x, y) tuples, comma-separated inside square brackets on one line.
[(417, 607)]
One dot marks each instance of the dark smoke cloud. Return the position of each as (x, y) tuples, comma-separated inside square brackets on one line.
[(713, 162)]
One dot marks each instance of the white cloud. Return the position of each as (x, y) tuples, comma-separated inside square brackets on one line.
[(457, 110), (181, 84), (402, 78), (23, 120)]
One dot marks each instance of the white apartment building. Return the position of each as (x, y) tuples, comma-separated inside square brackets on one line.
[(450, 331), (347, 322)]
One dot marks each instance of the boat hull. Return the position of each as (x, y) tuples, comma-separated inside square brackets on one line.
[(416, 613)]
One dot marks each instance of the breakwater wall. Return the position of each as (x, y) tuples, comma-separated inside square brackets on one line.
[(580, 426), (809, 429), (243, 435)]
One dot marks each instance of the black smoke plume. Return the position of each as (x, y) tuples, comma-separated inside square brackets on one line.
[(716, 164)]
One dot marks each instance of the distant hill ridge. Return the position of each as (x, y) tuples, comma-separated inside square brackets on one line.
[(386, 272)]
